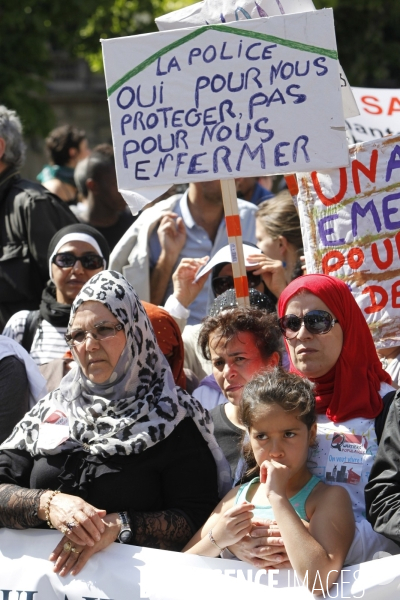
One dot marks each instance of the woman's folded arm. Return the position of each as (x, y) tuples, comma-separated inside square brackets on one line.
[(19, 506)]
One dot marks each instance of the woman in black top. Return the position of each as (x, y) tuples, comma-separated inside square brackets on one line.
[(131, 454)]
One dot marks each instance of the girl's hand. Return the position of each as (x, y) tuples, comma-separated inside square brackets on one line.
[(72, 561), (275, 476), (79, 521), (272, 272), (233, 525)]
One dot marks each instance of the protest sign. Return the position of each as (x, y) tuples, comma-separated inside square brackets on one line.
[(122, 572), (225, 11), (350, 221), (224, 101), (379, 114)]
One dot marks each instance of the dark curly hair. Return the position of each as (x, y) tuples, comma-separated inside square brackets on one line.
[(228, 323), (287, 390)]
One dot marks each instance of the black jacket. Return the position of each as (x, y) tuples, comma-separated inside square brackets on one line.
[(382, 492), (29, 217)]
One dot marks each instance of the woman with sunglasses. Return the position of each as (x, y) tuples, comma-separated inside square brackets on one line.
[(75, 253), (330, 344), (222, 279), (118, 451)]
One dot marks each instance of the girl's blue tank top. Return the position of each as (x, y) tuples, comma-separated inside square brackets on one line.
[(298, 501)]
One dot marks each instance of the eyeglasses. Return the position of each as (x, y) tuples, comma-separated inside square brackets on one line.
[(316, 322), (66, 260), (222, 284), (101, 331)]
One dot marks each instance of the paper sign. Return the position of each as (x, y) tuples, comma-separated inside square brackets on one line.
[(225, 101), (379, 114), (350, 220), (226, 11)]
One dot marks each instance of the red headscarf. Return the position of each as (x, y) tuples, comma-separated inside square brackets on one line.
[(169, 339), (351, 388)]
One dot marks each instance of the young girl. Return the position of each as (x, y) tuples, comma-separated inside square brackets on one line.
[(315, 520)]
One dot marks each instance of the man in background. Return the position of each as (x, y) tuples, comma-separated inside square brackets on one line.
[(248, 188), (191, 225), (104, 207), (65, 147), (29, 217)]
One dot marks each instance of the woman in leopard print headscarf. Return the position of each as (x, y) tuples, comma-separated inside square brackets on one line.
[(117, 423)]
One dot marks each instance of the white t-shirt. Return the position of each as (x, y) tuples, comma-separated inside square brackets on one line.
[(393, 369), (48, 342), (344, 455)]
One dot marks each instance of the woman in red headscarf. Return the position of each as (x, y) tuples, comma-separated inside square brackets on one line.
[(329, 342)]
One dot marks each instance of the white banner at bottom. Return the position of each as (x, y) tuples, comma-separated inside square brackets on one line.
[(132, 573)]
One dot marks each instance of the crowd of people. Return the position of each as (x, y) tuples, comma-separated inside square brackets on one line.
[(125, 358)]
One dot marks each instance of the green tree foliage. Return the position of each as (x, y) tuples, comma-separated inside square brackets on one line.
[(368, 40), (115, 18), (29, 31), (32, 30)]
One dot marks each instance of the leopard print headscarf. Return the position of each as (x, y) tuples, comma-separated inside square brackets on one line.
[(137, 407)]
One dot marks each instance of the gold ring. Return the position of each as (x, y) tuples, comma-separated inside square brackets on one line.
[(72, 525), (68, 547), (74, 550)]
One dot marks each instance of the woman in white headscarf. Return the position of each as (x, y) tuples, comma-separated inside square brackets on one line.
[(75, 254), (117, 422)]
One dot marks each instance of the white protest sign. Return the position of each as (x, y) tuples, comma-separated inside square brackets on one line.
[(122, 572), (350, 221), (379, 114), (225, 11), (224, 101)]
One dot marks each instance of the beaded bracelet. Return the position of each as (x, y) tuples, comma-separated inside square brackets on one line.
[(210, 535), (47, 509)]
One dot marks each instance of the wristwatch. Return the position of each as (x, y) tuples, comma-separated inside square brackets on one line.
[(125, 533)]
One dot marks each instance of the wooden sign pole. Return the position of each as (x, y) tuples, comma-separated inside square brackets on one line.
[(235, 240)]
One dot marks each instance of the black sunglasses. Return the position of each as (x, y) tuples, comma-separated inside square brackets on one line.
[(316, 322), (223, 284), (66, 260)]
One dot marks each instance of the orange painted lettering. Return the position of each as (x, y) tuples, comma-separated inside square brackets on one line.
[(355, 258), (394, 106), (382, 264), (339, 196), (335, 254), (396, 294), (376, 306), (377, 109), (370, 173)]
